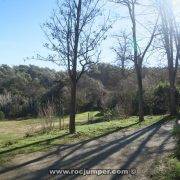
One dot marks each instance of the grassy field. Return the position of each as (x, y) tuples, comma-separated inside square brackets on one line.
[(14, 139), (11, 130)]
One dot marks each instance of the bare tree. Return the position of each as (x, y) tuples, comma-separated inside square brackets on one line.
[(139, 53), (171, 42), (123, 51), (74, 36)]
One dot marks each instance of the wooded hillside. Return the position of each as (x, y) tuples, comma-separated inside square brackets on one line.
[(24, 90)]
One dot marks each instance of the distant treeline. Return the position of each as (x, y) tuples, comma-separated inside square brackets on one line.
[(26, 89)]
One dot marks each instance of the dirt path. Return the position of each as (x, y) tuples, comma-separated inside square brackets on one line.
[(121, 150)]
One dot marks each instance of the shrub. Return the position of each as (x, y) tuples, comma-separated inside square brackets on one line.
[(47, 113), (161, 99), (2, 116)]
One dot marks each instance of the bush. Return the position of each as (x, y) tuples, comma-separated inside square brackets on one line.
[(47, 113), (2, 116), (161, 99)]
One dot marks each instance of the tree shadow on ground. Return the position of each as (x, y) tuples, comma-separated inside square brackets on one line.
[(48, 141), (139, 151), (60, 147), (92, 157)]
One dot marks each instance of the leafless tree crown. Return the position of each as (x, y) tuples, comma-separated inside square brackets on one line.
[(74, 34)]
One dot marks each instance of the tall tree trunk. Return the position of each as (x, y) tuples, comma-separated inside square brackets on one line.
[(138, 65), (172, 100), (172, 91), (72, 128), (140, 94)]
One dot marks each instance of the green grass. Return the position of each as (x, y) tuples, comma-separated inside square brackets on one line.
[(176, 133), (169, 168), (11, 130), (16, 144)]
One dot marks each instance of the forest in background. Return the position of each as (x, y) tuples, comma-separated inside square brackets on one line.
[(25, 90)]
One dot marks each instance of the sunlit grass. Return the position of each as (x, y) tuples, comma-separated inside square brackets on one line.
[(14, 129)]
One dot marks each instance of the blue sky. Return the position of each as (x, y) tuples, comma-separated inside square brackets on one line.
[(21, 36), (20, 33)]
